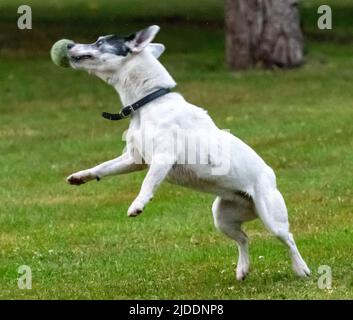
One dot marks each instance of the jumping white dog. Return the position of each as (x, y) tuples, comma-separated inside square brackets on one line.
[(245, 191)]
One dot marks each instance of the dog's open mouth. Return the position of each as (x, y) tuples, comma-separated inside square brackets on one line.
[(81, 58)]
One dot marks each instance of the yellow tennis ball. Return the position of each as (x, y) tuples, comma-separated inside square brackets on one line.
[(58, 53)]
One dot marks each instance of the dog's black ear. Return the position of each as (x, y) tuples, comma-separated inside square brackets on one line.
[(140, 40)]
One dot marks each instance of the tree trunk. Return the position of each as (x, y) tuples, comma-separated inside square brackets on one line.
[(265, 32)]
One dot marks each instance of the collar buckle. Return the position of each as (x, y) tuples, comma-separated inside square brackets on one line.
[(125, 112)]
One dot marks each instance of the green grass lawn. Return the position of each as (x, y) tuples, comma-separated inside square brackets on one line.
[(80, 243)]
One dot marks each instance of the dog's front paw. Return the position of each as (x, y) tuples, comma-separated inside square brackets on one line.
[(241, 273), (79, 178), (135, 209)]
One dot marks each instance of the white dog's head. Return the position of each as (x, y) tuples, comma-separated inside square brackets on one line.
[(110, 53)]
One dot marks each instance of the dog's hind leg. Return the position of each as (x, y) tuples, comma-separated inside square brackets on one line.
[(271, 209), (228, 217)]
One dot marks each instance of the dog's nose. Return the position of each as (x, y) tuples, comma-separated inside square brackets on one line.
[(70, 45)]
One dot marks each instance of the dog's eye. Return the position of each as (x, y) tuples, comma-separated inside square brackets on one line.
[(99, 43)]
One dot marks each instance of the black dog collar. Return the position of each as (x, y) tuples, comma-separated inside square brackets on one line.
[(126, 111)]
